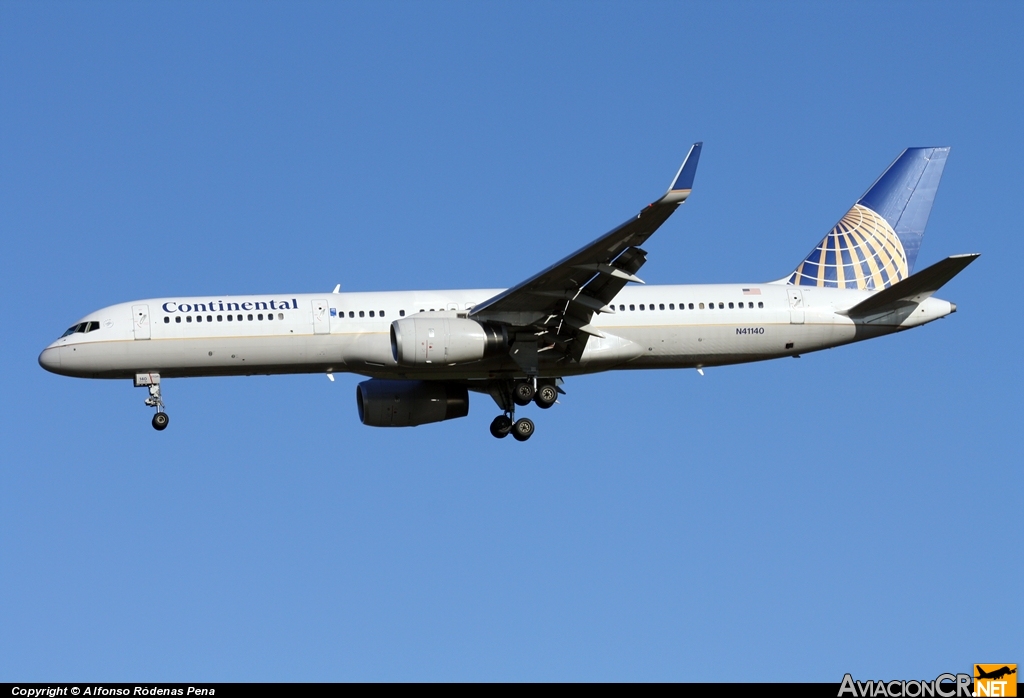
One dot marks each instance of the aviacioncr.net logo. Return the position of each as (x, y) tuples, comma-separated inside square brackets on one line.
[(943, 686)]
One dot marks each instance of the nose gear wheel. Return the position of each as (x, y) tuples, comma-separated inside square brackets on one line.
[(152, 381)]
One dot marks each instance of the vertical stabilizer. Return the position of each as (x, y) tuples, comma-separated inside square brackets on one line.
[(876, 243)]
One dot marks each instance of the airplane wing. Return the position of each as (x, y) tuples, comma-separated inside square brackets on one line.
[(556, 305), (916, 287)]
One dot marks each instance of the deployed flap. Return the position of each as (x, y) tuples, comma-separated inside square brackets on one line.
[(561, 300), (915, 288)]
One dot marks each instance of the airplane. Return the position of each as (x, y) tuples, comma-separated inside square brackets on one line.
[(996, 674), (422, 352)]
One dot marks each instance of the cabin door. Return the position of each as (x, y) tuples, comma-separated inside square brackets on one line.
[(796, 306), (140, 321), (321, 317)]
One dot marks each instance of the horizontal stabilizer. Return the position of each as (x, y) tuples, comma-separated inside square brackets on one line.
[(915, 288)]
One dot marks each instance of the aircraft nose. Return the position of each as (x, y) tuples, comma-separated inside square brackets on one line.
[(50, 359)]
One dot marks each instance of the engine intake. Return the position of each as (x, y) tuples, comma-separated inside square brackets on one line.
[(398, 403), (419, 341)]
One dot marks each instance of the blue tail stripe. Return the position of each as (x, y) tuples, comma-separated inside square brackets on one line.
[(904, 195)]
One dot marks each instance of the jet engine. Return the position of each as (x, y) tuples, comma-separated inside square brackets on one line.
[(398, 403), (419, 341)]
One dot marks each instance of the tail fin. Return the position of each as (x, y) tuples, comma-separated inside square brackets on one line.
[(876, 243)]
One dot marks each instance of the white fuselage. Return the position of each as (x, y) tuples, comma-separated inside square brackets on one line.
[(350, 332)]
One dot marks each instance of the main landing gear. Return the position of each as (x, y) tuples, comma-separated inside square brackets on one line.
[(152, 381), (520, 393), (503, 425)]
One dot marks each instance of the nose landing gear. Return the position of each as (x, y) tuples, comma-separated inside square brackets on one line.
[(152, 381)]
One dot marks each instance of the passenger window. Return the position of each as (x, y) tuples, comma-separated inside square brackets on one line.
[(280, 316), (371, 313), (721, 306), (220, 318), (260, 316), (661, 306), (701, 306), (209, 318), (382, 313), (641, 306), (622, 307), (632, 307), (351, 313), (230, 318), (671, 306), (188, 318), (239, 318), (760, 304), (691, 306), (401, 313), (199, 318), (166, 319), (177, 318), (270, 316), (362, 314), (730, 306), (741, 304), (250, 317)]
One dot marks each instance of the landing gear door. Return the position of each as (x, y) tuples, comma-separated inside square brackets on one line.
[(321, 317), (796, 306), (140, 321)]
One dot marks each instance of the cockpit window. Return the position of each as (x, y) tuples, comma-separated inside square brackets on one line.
[(82, 327)]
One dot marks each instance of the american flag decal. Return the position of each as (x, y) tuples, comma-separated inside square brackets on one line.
[(751, 292)]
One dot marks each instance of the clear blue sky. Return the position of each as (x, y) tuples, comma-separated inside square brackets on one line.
[(793, 520)]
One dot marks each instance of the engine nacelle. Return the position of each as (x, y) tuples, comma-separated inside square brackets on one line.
[(421, 341), (397, 403)]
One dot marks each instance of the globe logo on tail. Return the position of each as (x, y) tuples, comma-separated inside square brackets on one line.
[(862, 251)]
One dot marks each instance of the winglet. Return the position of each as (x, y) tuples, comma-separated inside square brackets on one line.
[(682, 184)]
